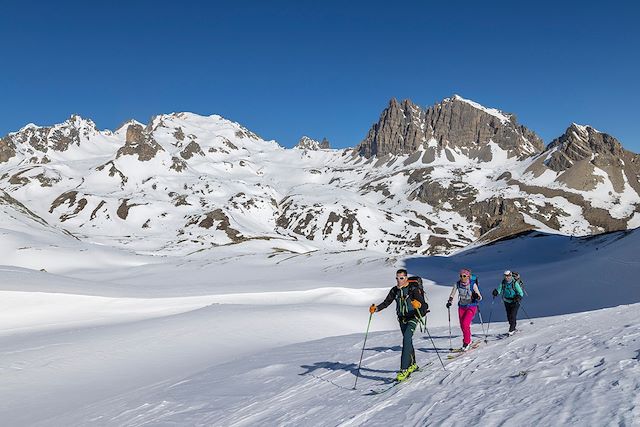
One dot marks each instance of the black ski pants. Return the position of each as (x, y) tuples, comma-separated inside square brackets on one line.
[(512, 313), (408, 352)]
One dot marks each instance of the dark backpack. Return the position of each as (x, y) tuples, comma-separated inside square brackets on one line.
[(417, 282), (518, 278)]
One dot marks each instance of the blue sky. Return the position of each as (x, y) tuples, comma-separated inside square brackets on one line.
[(320, 68)]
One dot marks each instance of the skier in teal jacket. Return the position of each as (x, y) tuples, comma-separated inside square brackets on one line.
[(511, 292)]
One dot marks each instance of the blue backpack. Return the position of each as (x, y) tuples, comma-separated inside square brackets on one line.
[(473, 280)]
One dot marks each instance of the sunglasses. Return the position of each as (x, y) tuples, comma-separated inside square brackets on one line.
[(463, 275), (401, 278), (507, 275)]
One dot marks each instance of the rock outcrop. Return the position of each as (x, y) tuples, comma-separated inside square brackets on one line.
[(581, 149), (307, 143), (37, 141), (404, 128), (139, 142)]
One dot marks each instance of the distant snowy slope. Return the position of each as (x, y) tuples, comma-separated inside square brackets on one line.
[(421, 182), (561, 274), (29, 241)]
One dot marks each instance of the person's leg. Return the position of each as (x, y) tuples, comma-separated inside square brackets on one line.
[(403, 328), (461, 312), (472, 313), (467, 317), (514, 316), (507, 308), (511, 315), (407, 344)]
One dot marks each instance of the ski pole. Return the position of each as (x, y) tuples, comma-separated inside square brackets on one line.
[(525, 313), (481, 322), (363, 346), (489, 324), (434, 347), (450, 345)]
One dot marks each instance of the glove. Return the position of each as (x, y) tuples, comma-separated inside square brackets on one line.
[(494, 293), (449, 303), (416, 304), (373, 308), (517, 298), (475, 297)]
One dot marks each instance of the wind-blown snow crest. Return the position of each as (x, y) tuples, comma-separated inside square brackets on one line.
[(504, 118)]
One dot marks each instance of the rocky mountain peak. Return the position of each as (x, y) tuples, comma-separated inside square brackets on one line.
[(458, 123), (307, 143), (398, 131), (580, 143), (59, 137), (125, 125), (503, 117), (79, 122)]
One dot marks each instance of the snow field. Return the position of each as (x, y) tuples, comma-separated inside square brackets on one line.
[(566, 370), (269, 333)]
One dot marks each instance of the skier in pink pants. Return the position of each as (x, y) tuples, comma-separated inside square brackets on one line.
[(469, 297)]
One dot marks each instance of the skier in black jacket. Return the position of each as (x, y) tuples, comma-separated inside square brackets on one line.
[(410, 307)]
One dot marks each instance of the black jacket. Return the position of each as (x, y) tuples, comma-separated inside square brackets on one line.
[(404, 309)]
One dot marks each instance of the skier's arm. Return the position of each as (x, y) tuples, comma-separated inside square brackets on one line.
[(500, 288), (388, 300), (451, 296), (453, 292), (477, 291), (518, 289)]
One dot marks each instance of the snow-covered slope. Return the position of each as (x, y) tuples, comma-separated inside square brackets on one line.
[(569, 370), (185, 183), (250, 334)]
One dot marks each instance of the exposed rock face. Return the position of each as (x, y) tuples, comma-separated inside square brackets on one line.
[(34, 139), (191, 149), (580, 143), (581, 148), (139, 142), (399, 131), (404, 128), (307, 143), (7, 149)]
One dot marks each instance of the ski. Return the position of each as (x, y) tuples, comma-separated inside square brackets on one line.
[(498, 337), (391, 386), (457, 352)]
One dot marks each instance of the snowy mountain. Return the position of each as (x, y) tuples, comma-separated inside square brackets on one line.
[(422, 182)]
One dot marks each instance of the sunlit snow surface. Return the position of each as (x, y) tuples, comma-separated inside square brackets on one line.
[(260, 335)]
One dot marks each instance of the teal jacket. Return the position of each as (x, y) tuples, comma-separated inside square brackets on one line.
[(509, 290)]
